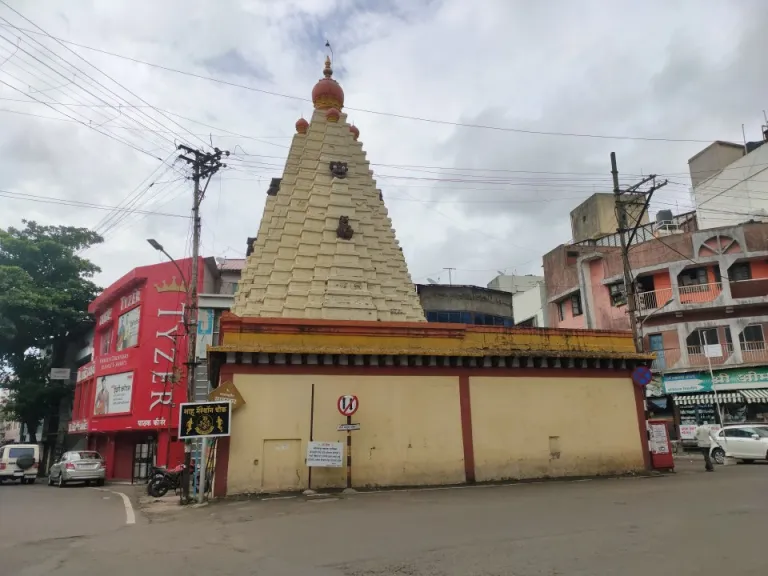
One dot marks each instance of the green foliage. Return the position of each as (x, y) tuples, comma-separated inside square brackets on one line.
[(45, 289)]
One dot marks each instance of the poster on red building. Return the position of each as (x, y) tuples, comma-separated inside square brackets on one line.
[(113, 394), (128, 329)]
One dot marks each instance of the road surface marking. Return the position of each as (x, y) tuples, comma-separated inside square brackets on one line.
[(130, 516)]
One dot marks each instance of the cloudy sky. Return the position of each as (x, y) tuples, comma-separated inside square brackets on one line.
[(450, 97)]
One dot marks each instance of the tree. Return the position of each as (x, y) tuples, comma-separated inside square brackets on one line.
[(45, 289)]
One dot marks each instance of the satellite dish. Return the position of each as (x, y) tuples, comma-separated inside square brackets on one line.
[(500, 272), (431, 281)]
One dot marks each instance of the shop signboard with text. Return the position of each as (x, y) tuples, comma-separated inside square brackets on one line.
[(725, 380), (140, 378)]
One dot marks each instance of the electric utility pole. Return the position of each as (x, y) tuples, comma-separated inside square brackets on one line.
[(204, 166), (633, 196)]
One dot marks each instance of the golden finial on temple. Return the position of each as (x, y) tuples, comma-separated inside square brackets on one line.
[(328, 71)]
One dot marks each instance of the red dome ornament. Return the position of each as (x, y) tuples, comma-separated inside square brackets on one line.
[(332, 115), (302, 126), (355, 132), (327, 93)]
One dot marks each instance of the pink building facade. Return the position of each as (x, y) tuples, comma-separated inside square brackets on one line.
[(702, 298)]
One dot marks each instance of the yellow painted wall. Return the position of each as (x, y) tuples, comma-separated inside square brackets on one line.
[(410, 431), (514, 419)]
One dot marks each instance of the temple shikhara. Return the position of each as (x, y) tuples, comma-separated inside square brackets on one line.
[(325, 247), (326, 309)]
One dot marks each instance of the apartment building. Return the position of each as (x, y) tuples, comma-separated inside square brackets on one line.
[(702, 299)]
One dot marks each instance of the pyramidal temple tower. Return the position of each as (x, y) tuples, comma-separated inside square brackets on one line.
[(325, 248)]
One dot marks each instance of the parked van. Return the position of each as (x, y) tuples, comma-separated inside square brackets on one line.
[(19, 462)]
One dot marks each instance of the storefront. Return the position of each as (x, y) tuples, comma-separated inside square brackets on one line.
[(742, 395), (126, 400)]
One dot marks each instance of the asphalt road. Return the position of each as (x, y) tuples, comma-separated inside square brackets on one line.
[(692, 523)]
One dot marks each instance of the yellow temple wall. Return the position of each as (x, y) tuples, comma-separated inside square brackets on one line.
[(548, 427), (410, 431), (412, 428)]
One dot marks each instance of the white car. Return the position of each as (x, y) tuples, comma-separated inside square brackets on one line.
[(19, 462), (746, 442)]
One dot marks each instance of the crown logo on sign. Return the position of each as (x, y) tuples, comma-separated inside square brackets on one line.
[(172, 287)]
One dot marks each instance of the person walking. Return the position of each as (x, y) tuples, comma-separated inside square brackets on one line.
[(704, 439)]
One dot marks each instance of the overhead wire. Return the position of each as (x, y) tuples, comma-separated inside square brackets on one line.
[(376, 112), (78, 204), (71, 83), (63, 45)]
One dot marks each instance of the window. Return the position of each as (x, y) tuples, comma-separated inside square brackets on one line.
[(105, 341), (576, 304), (702, 337), (737, 433), (752, 339), (75, 456), (739, 272), (561, 310), (20, 452), (618, 294), (693, 277)]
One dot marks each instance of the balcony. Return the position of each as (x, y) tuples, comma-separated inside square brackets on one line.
[(652, 300), (754, 352), (756, 288), (697, 356), (700, 293), (672, 358)]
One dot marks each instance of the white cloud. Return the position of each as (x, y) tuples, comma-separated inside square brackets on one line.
[(688, 70)]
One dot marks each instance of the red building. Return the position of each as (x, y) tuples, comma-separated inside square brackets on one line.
[(126, 400)]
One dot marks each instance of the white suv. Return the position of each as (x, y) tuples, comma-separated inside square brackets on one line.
[(19, 462), (747, 442)]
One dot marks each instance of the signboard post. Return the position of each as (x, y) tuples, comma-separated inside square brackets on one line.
[(204, 420), (347, 406)]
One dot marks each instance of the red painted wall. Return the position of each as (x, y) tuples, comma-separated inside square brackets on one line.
[(759, 269), (151, 404)]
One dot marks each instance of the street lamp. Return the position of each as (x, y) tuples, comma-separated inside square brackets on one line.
[(159, 247), (190, 371)]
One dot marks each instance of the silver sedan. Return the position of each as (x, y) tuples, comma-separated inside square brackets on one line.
[(77, 466)]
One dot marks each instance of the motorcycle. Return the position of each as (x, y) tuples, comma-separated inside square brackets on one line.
[(162, 480)]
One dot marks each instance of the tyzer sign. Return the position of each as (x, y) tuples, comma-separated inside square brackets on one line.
[(205, 419)]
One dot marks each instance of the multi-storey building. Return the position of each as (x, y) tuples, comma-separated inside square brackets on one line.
[(730, 182), (702, 299), (126, 397)]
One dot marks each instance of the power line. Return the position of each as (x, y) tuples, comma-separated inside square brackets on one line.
[(92, 66), (77, 203), (87, 91), (374, 112)]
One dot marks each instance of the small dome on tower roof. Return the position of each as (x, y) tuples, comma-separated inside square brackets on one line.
[(332, 115), (355, 132), (327, 93), (302, 126)]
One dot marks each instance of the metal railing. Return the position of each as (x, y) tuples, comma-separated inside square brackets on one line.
[(653, 299), (756, 351), (697, 355), (700, 293), (670, 358)]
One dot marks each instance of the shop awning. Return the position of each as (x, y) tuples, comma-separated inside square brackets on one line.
[(724, 397), (756, 396)]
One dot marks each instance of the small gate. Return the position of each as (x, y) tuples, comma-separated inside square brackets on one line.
[(144, 453)]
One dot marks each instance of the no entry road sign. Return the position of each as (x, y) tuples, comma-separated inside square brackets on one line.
[(642, 376), (347, 404)]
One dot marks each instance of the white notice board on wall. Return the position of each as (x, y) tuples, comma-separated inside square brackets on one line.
[(325, 454)]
